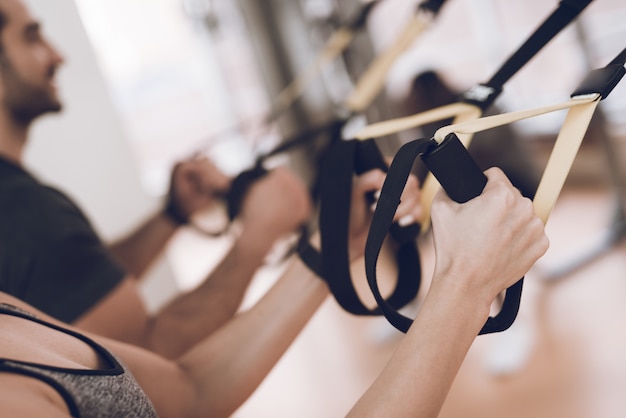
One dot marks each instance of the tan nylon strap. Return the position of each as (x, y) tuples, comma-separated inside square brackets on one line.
[(373, 80), (337, 43), (468, 122), (566, 147), (489, 122), (392, 126), (461, 112), (562, 157)]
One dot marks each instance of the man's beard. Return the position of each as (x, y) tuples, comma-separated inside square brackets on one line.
[(24, 101)]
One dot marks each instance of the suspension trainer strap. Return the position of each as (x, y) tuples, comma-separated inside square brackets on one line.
[(481, 96), (372, 81), (242, 183), (367, 89), (388, 127), (382, 220), (336, 44), (565, 13), (343, 160), (450, 163)]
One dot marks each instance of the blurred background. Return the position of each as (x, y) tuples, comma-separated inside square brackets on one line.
[(148, 82)]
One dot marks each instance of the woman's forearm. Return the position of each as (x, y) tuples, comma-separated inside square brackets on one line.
[(137, 251), (421, 371), (230, 365)]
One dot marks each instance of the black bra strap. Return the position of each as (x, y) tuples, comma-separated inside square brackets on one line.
[(5, 366)]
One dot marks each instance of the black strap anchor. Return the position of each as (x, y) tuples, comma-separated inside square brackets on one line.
[(332, 263)]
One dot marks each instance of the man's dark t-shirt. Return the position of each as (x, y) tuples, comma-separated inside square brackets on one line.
[(50, 255)]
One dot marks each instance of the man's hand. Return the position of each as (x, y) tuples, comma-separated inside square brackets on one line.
[(276, 205), (195, 185)]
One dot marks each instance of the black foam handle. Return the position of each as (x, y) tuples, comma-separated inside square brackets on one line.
[(455, 169), (462, 179)]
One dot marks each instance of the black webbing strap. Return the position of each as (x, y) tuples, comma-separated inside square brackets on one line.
[(603, 80), (358, 20), (338, 167), (332, 263), (483, 95), (240, 185), (432, 6), (397, 176), (461, 178), (245, 179)]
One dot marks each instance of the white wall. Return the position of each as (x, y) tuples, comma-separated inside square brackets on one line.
[(84, 149)]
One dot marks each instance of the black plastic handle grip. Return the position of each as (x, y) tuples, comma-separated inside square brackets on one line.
[(455, 169), (462, 179)]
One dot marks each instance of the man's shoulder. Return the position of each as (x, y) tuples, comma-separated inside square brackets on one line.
[(23, 190), (26, 203)]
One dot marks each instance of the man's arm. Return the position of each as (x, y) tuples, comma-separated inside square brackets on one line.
[(139, 250), (223, 370), (274, 207), (194, 185), (217, 375)]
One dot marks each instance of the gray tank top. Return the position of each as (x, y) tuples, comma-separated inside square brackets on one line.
[(111, 392)]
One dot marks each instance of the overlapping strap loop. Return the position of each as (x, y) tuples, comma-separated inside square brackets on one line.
[(332, 263)]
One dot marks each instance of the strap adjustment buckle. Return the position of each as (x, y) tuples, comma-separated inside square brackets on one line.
[(600, 81), (482, 95)]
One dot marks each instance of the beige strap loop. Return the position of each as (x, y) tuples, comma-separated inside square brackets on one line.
[(581, 109), (373, 80), (489, 122), (392, 126), (461, 112), (467, 122), (562, 157)]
